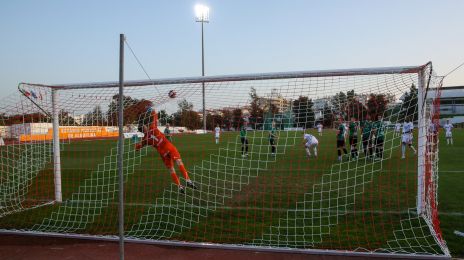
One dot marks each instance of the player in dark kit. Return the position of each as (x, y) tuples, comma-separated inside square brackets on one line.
[(366, 126), (353, 138), (273, 138), (244, 140), (379, 130)]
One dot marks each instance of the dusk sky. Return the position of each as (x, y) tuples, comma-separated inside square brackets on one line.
[(62, 41)]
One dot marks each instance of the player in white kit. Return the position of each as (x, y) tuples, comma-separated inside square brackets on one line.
[(309, 142), (448, 132), (346, 128), (407, 138), (217, 133), (397, 129), (319, 128)]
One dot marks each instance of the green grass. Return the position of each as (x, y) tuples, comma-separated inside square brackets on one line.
[(254, 201)]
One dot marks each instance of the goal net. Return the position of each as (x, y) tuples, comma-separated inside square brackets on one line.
[(257, 184)]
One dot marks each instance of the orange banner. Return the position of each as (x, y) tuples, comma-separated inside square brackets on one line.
[(72, 132)]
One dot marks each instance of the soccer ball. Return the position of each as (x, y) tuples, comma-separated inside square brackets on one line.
[(172, 94)]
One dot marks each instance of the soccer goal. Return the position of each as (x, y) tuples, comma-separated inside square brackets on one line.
[(256, 186)]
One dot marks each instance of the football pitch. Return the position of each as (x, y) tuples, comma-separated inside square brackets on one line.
[(260, 204)]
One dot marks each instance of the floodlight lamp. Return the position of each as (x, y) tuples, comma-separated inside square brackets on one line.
[(201, 13)]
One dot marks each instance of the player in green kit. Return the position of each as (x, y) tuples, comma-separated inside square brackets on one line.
[(341, 140), (244, 139), (353, 138), (378, 128), (273, 138), (366, 126)]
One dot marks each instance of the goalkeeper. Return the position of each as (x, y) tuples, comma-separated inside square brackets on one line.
[(168, 152)]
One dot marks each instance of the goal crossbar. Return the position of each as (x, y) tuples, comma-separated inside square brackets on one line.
[(242, 77)]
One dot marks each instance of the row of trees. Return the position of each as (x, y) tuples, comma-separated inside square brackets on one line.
[(341, 105)]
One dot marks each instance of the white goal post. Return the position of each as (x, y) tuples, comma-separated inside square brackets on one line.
[(311, 213)]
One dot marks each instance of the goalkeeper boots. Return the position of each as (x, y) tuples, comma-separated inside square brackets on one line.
[(190, 184), (181, 189)]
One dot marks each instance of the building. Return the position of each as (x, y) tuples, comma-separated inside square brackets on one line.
[(452, 104), (452, 101), (276, 100)]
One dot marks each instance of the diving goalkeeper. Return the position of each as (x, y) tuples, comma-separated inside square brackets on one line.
[(168, 152)]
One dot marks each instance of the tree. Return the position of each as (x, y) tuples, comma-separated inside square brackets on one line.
[(185, 105), (65, 118), (376, 105), (350, 95), (113, 108), (3, 119), (303, 110), (164, 118), (190, 119), (227, 118), (25, 118), (237, 117), (214, 119), (185, 116), (133, 110), (95, 117), (256, 112), (409, 108), (339, 103), (273, 109), (328, 117), (354, 108)]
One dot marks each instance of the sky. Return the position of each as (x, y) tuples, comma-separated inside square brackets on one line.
[(64, 41)]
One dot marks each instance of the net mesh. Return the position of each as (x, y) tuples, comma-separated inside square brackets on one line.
[(251, 191)]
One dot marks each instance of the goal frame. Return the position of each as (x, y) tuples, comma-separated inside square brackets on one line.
[(419, 70)]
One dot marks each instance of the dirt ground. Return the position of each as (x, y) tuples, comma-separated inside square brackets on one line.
[(16, 247)]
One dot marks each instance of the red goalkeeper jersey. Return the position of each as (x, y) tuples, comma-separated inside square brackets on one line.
[(157, 139), (153, 136)]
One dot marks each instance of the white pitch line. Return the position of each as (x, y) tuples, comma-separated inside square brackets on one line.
[(444, 213), (458, 214)]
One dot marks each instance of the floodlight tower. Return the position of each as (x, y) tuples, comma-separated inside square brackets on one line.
[(202, 16)]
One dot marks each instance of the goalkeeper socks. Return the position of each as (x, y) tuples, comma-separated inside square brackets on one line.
[(315, 151), (184, 171), (403, 150), (345, 151), (339, 152), (307, 151), (175, 179)]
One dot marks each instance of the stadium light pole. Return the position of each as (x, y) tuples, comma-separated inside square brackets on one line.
[(202, 16)]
